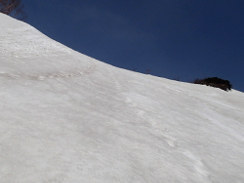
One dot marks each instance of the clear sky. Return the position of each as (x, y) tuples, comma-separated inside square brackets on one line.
[(176, 39)]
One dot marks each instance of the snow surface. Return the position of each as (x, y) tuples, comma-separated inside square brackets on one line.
[(68, 118)]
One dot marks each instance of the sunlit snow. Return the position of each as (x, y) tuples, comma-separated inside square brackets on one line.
[(68, 118)]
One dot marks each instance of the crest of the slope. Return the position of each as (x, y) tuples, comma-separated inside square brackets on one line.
[(21, 40)]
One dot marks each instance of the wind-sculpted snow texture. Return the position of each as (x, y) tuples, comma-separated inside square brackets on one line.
[(68, 118)]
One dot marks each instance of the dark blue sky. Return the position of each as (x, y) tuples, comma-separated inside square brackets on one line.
[(176, 39)]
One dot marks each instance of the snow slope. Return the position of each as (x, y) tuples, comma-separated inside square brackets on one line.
[(68, 118)]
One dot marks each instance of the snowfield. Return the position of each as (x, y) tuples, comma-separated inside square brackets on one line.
[(68, 118)]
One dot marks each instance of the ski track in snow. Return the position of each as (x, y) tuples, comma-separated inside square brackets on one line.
[(45, 76)]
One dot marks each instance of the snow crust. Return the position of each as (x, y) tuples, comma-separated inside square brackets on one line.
[(68, 118)]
